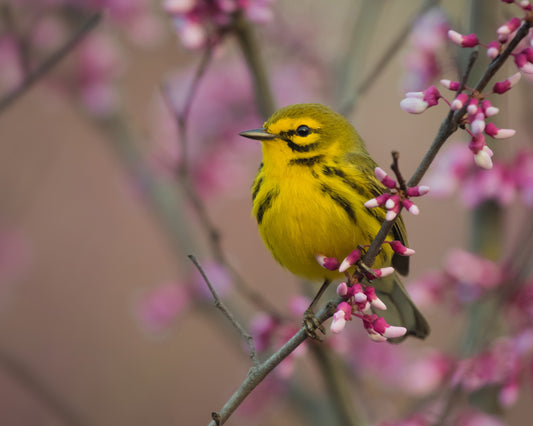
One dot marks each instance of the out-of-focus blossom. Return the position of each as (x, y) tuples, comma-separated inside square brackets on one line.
[(473, 417), (426, 374), (219, 277), (160, 307), (98, 66), (199, 22), (472, 274), (427, 39), (10, 62)]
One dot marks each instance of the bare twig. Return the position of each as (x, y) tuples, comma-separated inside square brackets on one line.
[(224, 309), (258, 373), (51, 61)]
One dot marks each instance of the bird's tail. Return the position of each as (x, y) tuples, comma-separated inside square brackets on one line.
[(401, 310)]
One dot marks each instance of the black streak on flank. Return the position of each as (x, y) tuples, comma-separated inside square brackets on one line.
[(306, 161), (266, 203), (340, 200), (334, 171), (257, 187)]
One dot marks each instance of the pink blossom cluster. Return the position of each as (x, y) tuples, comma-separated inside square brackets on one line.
[(359, 303), (464, 278), (396, 199), (427, 38), (455, 170), (200, 22), (502, 365), (475, 105)]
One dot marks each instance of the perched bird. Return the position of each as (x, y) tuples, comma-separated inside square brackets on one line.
[(308, 198)]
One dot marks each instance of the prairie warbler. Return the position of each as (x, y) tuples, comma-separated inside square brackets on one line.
[(308, 199)]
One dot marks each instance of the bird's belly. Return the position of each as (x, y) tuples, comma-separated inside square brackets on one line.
[(304, 223)]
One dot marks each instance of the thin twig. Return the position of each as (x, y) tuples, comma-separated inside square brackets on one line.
[(224, 309), (49, 63), (258, 373)]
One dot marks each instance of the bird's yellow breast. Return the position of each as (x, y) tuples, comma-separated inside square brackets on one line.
[(310, 206)]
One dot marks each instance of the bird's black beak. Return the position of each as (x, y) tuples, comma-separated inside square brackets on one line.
[(258, 134)]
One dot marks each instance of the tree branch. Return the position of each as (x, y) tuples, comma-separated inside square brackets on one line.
[(50, 62)]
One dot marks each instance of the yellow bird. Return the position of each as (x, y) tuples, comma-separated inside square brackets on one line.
[(308, 198)]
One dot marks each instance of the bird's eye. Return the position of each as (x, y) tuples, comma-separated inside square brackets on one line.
[(303, 131)]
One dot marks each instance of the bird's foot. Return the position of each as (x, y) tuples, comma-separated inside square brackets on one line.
[(312, 324)]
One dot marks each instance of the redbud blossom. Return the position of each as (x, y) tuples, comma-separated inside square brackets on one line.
[(410, 206), (523, 63), (506, 29), (350, 260), (452, 85), (484, 158), (488, 109), (378, 201), (503, 86), (381, 273), (329, 263), (463, 40), (374, 300), (384, 178), (344, 313), (459, 102), (418, 102), (493, 50), (497, 133), (417, 191), (478, 124), (399, 248)]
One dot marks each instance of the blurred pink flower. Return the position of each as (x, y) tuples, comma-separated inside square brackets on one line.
[(160, 307), (427, 39), (473, 417), (98, 66), (219, 277), (426, 373)]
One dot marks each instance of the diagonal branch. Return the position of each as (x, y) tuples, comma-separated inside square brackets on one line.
[(51, 61)]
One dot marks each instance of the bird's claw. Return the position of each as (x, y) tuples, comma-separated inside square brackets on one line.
[(312, 324)]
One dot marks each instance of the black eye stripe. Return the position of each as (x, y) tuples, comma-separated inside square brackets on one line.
[(289, 133)]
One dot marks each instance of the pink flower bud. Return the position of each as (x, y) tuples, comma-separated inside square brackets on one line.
[(497, 133), (393, 331), (483, 158), (392, 213), (392, 201), (432, 96), (384, 178), (503, 86), (478, 124), (381, 273), (417, 191), (374, 300), (452, 85), (459, 102), (526, 5), (350, 260), (523, 64), (488, 109), (378, 201), (399, 248), (414, 103), (410, 206), (472, 106), (338, 323), (509, 27), (463, 40), (493, 50), (329, 263), (342, 289)]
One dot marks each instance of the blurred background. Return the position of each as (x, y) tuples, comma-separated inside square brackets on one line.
[(103, 318)]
